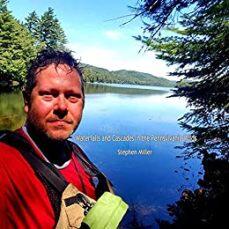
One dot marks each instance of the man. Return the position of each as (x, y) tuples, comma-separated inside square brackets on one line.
[(53, 102)]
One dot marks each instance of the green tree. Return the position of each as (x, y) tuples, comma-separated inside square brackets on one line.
[(16, 49), (32, 22), (46, 30), (196, 40)]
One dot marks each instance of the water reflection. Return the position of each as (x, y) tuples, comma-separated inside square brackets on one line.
[(123, 89), (204, 207)]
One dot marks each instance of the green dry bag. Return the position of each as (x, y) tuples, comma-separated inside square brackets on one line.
[(106, 213)]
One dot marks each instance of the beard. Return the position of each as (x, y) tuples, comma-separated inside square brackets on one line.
[(45, 129), (53, 146)]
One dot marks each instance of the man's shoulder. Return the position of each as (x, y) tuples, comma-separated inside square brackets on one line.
[(11, 160), (7, 151)]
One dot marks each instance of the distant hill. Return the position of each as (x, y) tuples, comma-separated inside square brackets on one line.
[(94, 74)]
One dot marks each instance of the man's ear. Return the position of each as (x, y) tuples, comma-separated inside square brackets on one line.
[(26, 106), (26, 103)]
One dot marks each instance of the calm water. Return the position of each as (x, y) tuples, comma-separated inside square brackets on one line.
[(130, 134)]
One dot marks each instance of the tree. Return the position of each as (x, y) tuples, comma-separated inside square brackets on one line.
[(46, 30), (195, 38), (194, 35), (32, 22), (16, 48)]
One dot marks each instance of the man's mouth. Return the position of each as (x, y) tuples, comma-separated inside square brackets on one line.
[(59, 121)]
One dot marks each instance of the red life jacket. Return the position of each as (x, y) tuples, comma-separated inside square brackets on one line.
[(27, 198)]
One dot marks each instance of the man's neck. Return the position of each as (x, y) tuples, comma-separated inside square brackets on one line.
[(57, 152)]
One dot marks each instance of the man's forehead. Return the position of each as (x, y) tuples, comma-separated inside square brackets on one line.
[(56, 67)]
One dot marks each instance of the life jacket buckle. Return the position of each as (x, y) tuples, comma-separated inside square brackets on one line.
[(80, 199)]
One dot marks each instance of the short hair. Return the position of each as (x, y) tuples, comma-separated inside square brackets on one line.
[(44, 58)]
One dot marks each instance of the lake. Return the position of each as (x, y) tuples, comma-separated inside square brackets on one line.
[(130, 133)]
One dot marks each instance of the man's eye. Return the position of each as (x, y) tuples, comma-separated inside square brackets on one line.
[(48, 97), (73, 98)]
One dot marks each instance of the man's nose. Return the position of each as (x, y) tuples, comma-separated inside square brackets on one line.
[(61, 107)]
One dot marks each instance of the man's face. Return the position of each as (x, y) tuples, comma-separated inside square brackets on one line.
[(56, 103)]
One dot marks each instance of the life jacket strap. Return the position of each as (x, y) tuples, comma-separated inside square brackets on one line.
[(45, 169)]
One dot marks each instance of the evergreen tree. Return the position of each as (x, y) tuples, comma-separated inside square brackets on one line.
[(197, 43), (46, 30), (16, 47), (32, 22)]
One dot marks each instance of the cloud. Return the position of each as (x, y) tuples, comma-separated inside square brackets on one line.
[(113, 35), (93, 55), (116, 60)]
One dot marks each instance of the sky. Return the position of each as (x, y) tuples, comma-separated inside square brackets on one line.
[(95, 34)]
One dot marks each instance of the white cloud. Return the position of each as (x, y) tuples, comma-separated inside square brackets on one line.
[(116, 60), (93, 55), (113, 35)]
